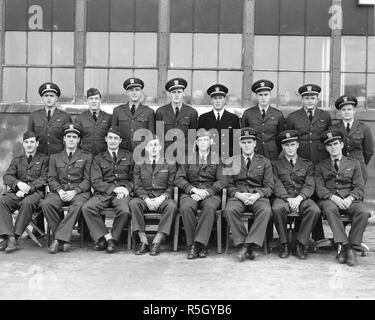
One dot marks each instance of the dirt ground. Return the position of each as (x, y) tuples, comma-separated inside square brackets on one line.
[(33, 273)]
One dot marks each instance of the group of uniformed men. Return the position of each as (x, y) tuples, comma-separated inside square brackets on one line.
[(90, 164)]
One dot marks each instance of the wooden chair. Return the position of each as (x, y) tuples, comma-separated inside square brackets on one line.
[(199, 211)]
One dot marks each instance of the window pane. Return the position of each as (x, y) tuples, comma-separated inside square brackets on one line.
[(15, 47), (14, 84), (116, 80), (291, 53), (322, 80), (202, 80), (233, 80), (145, 49), (205, 50), (266, 52), (289, 82), (231, 14), (206, 16), (146, 15), (65, 78), (63, 48), (181, 16), (121, 49), (97, 78), (272, 76), (39, 48), (371, 91), (354, 84), (150, 78), (97, 48), (230, 50), (292, 17), (186, 74), (181, 48), (371, 54), (35, 77), (266, 16), (317, 53), (353, 54)]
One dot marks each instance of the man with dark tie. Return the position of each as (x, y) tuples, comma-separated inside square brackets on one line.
[(176, 114), (220, 119), (94, 123), (69, 183), (133, 115), (26, 178), (294, 186), (340, 188), (111, 178), (249, 188), (268, 121), (153, 188), (358, 140)]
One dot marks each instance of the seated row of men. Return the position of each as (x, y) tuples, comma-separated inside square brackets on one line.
[(133, 189)]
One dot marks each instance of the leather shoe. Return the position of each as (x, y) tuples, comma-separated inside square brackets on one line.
[(101, 245), (284, 251), (350, 256), (155, 249), (203, 252), (300, 252), (192, 252), (11, 245), (66, 246), (142, 248), (250, 253), (111, 246), (3, 245), (54, 247), (242, 253), (341, 254)]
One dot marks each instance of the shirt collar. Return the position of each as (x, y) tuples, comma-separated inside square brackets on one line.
[(245, 157), (111, 152), (265, 109), (294, 159), (307, 111), (52, 110), (333, 160), (220, 112), (156, 159), (350, 123)]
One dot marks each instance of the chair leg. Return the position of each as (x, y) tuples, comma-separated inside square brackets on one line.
[(227, 240), (218, 231), (265, 251), (32, 237), (129, 241), (81, 229), (176, 232), (48, 235)]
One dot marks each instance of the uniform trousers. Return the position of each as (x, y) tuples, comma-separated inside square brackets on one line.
[(94, 220), (309, 213), (167, 209), (25, 206), (262, 214), (198, 229), (359, 214), (62, 226)]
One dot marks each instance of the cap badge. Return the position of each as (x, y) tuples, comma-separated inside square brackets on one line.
[(345, 99), (132, 81), (217, 89), (288, 135), (48, 86), (71, 127), (176, 82), (309, 88), (262, 84), (329, 135)]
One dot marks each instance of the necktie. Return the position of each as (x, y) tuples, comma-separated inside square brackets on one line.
[(94, 116), (177, 111), (70, 156), (348, 127), (153, 165), (29, 158), (248, 163), (132, 110), (218, 117), (310, 115), (291, 163), (49, 115), (263, 113), (336, 165), (114, 157)]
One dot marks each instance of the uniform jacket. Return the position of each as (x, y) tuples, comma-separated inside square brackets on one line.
[(93, 133), (202, 176), (34, 174), (70, 175), (291, 182), (150, 183), (347, 181), (310, 146), (228, 121), (268, 129), (258, 179), (50, 134), (143, 118), (106, 175)]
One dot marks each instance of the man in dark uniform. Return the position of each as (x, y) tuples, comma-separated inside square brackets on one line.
[(26, 178), (201, 182), (339, 185), (310, 122), (94, 123), (69, 183), (294, 186), (249, 187), (268, 121), (133, 115), (153, 187), (176, 114), (220, 119), (111, 178), (358, 140)]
